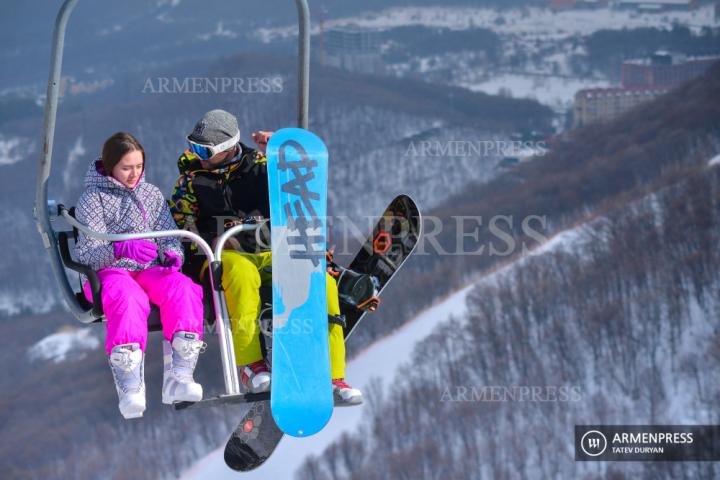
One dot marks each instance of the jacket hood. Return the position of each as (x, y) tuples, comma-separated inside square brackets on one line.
[(95, 177)]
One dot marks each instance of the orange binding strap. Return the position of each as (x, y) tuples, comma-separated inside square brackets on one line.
[(382, 242), (370, 304)]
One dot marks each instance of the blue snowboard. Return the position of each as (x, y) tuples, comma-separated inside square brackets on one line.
[(301, 394)]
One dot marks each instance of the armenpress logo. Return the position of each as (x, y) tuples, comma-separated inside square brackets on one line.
[(593, 443)]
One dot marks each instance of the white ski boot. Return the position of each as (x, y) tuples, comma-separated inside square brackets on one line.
[(344, 394), (127, 363), (179, 360)]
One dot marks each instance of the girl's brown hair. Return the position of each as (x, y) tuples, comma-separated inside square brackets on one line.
[(116, 147)]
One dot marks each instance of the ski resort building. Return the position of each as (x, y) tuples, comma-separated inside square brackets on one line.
[(641, 80), (663, 69), (658, 5), (570, 4), (562, 4), (353, 50), (595, 105)]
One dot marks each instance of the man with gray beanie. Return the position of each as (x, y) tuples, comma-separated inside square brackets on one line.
[(223, 183)]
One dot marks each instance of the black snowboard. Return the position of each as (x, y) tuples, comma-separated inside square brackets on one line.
[(392, 240), (254, 439)]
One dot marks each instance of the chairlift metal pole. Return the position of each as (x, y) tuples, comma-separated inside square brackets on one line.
[(303, 63), (44, 209)]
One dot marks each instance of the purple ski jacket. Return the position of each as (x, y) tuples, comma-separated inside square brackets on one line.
[(108, 206)]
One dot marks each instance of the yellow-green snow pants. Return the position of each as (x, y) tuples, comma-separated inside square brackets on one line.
[(243, 274)]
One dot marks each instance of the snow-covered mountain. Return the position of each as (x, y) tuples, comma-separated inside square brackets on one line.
[(373, 371), (538, 49), (529, 22), (368, 139), (374, 127), (378, 369), (368, 134), (611, 322), (612, 316)]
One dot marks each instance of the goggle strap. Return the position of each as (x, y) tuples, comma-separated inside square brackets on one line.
[(221, 147)]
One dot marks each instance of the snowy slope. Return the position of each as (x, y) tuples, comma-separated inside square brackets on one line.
[(555, 91), (547, 38), (535, 320), (714, 161), (380, 359), (57, 346), (12, 303), (532, 23), (10, 150)]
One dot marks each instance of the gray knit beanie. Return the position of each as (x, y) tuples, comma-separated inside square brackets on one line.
[(214, 128)]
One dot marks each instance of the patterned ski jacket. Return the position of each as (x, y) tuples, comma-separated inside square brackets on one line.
[(108, 206), (208, 202)]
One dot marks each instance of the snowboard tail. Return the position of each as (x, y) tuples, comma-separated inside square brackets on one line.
[(254, 440)]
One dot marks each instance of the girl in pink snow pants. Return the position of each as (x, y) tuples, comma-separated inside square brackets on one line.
[(135, 273)]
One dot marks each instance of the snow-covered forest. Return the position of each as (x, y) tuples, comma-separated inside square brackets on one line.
[(608, 316)]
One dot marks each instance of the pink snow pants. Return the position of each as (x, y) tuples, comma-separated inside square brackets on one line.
[(126, 298)]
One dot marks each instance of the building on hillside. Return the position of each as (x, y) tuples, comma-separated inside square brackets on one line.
[(578, 4), (594, 105), (353, 50), (664, 69), (562, 4), (641, 80), (658, 5), (591, 4)]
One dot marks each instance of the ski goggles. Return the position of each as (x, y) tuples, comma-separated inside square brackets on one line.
[(205, 152)]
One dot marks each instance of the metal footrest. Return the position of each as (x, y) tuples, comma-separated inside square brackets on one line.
[(223, 400)]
